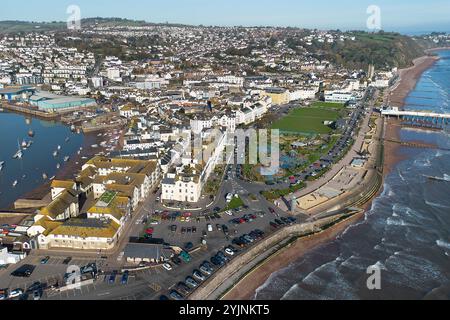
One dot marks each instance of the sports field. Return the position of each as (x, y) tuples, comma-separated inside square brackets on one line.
[(307, 120)]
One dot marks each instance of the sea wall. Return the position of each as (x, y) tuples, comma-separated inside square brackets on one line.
[(235, 270)]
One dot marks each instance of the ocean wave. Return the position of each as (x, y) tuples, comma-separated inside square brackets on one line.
[(438, 205), (443, 244)]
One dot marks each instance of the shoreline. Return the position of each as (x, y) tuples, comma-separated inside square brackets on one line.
[(245, 289)]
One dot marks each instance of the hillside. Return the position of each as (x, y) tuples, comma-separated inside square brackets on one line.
[(381, 49)]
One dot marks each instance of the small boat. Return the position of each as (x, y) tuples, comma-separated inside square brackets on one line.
[(58, 166), (66, 158), (19, 153), (2, 163), (52, 178), (29, 143), (94, 146), (67, 139), (1, 167), (55, 153), (15, 183), (72, 127), (59, 147), (78, 152), (31, 133), (44, 176), (437, 178), (24, 144)]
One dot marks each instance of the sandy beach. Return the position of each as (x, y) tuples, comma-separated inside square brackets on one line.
[(408, 80), (245, 289)]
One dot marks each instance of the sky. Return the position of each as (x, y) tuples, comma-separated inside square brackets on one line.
[(406, 16)]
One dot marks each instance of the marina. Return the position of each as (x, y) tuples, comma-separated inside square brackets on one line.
[(33, 145)]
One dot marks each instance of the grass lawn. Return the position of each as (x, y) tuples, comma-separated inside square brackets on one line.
[(328, 105), (307, 120), (234, 204)]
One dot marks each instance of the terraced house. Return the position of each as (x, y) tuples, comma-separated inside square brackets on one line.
[(90, 212)]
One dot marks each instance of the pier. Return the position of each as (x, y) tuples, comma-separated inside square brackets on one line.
[(419, 118)]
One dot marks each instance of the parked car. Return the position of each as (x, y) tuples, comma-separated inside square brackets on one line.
[(167, 266), (125, 276), (194, 230), (112, 277), (198, 275), (249, 238), (183, 288), (67, 260), (189, 246), (205, 270), (176, 260), (45, 260), (229, 251), (175, 295), (15, 293), (185, 256), (37, 295), (173, 228), (191, 282), (274, 225)]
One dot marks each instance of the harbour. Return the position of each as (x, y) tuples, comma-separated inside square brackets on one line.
[(27, 157)]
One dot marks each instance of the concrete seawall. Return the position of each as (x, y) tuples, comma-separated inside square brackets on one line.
[(225, 278)]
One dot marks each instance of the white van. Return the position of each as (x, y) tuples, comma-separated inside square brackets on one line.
[(210, 228), (229, 197)]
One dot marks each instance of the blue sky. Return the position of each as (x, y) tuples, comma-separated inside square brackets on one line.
[(399, 15)]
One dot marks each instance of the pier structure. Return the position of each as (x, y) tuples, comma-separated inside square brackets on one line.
[(419, 118)]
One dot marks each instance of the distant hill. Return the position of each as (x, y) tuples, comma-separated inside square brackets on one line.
[(380, 49)]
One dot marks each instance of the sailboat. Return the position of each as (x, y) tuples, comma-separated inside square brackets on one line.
[(19, 153)]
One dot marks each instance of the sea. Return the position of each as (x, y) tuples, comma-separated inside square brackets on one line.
[(405, 235), (36, 160)]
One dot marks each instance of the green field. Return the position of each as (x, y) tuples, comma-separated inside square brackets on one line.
[(307, 120), (328, 105)]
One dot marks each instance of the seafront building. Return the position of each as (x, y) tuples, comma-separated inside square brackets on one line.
[(90, 212)]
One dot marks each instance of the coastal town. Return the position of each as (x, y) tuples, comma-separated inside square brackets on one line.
[(161, 202)]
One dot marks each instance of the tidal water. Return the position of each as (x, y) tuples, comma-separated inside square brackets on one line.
[(406, 233), (37, 159)]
